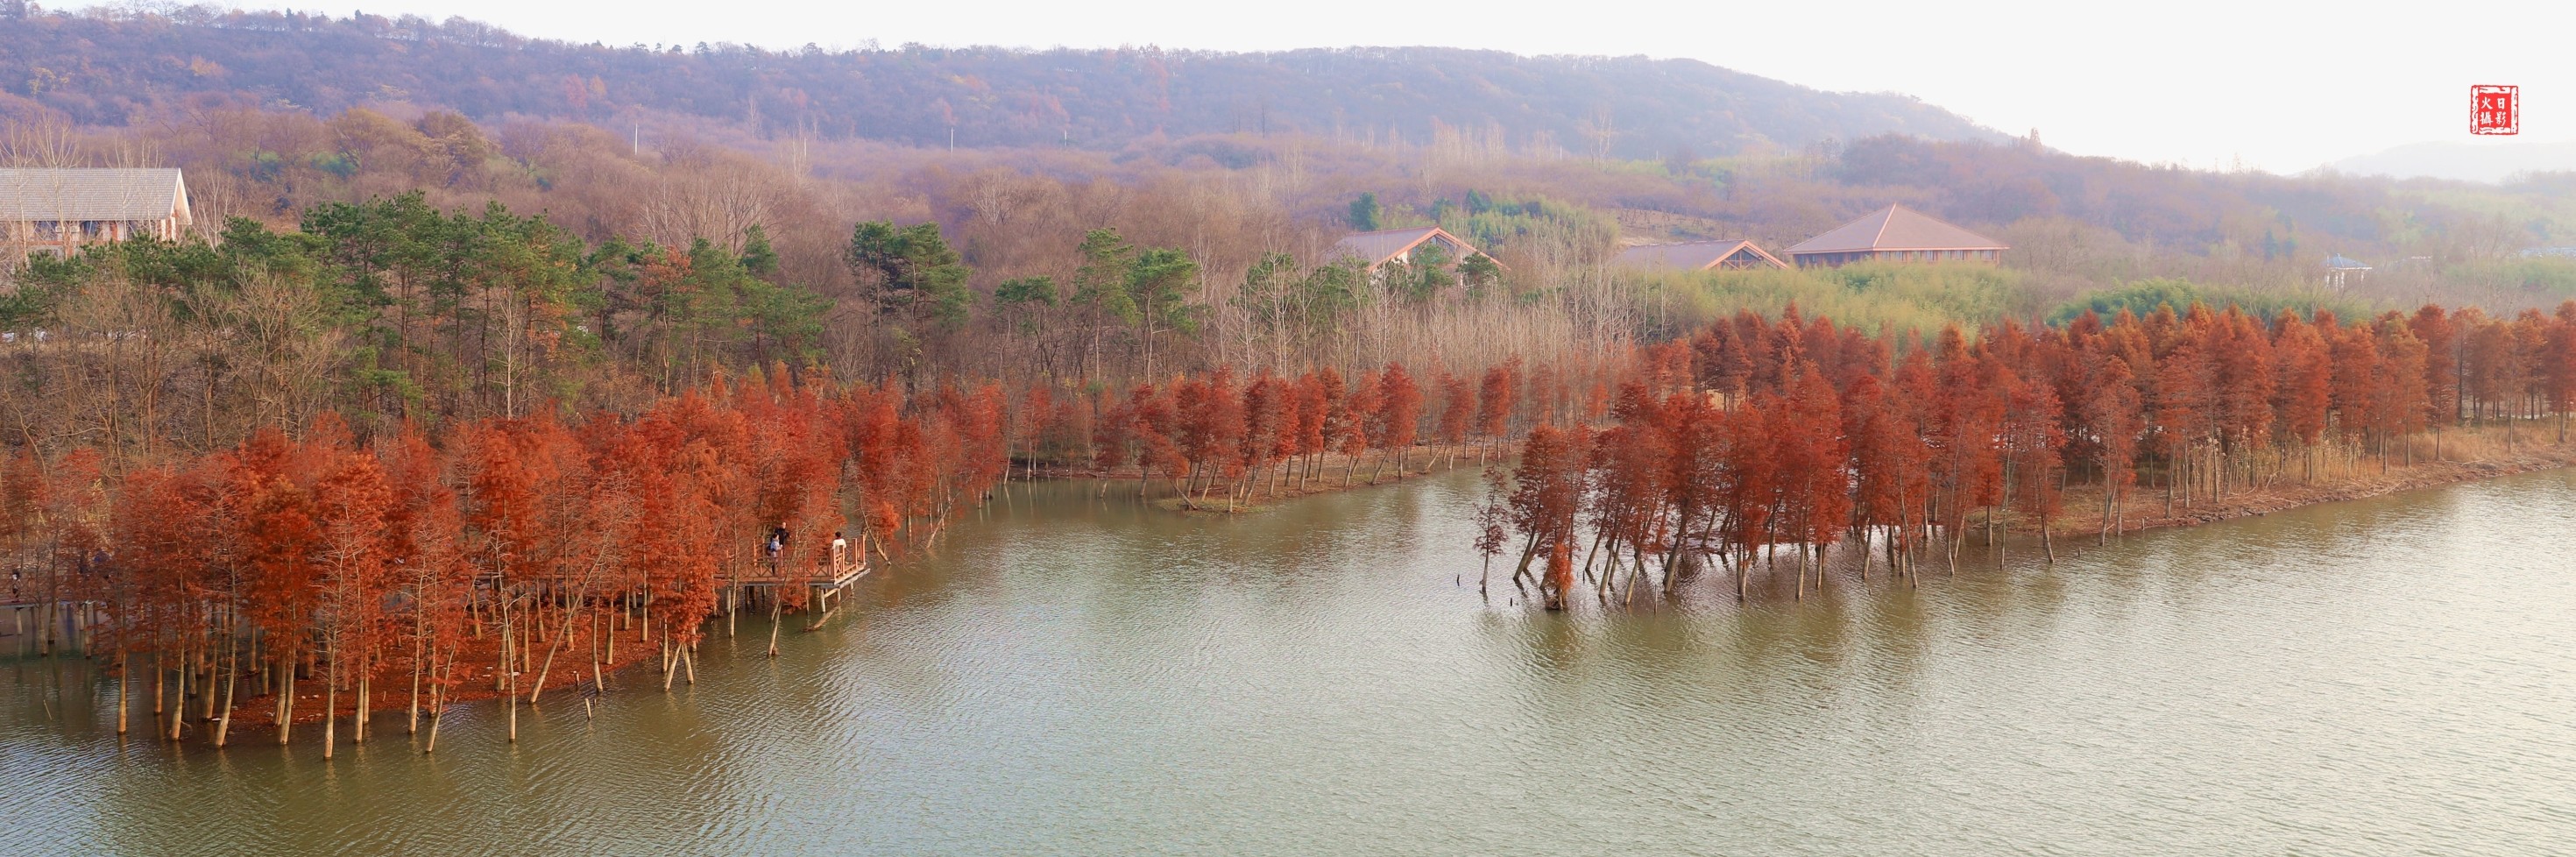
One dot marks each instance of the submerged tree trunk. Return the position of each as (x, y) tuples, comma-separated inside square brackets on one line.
[(438, 703), (331, 702), (510, 695), (224, 726), (286, 698), (358, 719), (419, 638), (124, 688)]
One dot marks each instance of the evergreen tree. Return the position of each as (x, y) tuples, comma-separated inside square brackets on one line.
[(1365, 214)]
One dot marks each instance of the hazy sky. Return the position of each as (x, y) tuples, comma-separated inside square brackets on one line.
[(2281, 87)]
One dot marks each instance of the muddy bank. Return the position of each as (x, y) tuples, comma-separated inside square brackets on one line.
[(2466, 456)]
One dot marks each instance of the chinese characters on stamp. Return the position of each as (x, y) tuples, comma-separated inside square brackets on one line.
[(2495, 110)]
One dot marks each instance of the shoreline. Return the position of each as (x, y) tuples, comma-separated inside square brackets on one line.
[(2468, 455)]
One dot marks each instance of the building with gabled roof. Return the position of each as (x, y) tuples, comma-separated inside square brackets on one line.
[(2341, 268), (1895, 234), (62, 209), (1697, 256), (1373, 250)]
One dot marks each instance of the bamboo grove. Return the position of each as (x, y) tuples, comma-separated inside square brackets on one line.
[(1774, 442)]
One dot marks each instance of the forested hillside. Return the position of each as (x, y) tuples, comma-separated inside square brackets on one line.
[(475, 330), (404, 261), (110, 68)]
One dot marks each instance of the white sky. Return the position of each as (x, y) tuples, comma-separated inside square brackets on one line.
[(2205, 83)]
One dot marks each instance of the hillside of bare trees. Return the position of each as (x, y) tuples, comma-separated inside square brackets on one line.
[(106, 67)]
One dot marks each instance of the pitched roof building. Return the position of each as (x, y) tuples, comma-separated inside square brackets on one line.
[(61, 209), (1895, 234), (1374, 249), (2341, 269), (1697, 256)]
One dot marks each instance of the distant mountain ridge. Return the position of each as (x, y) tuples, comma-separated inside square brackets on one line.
[(2463, 161), (110, 69)]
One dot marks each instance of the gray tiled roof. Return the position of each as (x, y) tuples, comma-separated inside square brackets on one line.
[(1693, 256), (73, 193), (1896, 228)]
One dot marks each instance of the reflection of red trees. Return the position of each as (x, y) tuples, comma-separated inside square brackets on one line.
[(1756, 441)]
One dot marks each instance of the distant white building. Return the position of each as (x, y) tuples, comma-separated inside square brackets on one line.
[(2341, 270)]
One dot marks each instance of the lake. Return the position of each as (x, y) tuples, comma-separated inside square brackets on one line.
[(1077, 675)]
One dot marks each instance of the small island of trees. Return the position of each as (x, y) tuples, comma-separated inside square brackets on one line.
[(1771, 442)]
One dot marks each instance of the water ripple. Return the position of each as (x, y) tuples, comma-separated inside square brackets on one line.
[(1080, 676)]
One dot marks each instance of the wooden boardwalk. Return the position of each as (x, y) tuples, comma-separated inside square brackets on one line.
[(826, 584)]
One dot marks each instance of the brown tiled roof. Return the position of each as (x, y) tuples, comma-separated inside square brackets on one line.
[(71, 193), (1896, 228), (1694, 256), (1377, 248)]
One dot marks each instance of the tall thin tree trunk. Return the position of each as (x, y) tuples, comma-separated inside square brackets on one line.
[(232, 653), (286, 698), (774, 606), (331, 701)]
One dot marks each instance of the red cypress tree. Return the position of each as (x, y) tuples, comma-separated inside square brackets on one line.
[(1397, 418), (2355, 357), (2245, 377), (1884, 461), (2441, 340), (2304, 394), (2115, 418), (1495, 401), (2180, 410), (276, 537), (350, 504), (1353, 438), (1545, 503), (2032, 441), (2559, 359), (2399, 400), (1457, 411), (1267, 416), (1815, 464), (1315, 397)]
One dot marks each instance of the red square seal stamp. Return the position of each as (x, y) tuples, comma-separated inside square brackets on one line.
[(2495, 110)]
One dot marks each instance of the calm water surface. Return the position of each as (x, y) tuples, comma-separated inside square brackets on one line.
[(1076, 676)]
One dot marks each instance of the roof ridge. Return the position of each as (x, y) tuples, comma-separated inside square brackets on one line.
[(93, 193), (1920, 232)]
